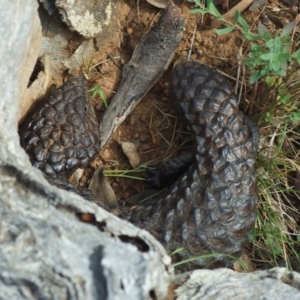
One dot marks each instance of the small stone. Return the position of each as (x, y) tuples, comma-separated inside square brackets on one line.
[(136, 135), (129, 30), (106, 154), (104, 68), (130, 150), (78, 174)]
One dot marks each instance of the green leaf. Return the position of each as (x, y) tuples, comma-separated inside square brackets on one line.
[(277, 45), (237, 14), (199, 11), (103, 97), (213, 10), (267, 56), (96, 90), (285, 99), (277, 251), (284, 56), (296, 55), (287, 29), (275, 67), (177, 251), (268, 117), (225, 30), (257, 48), (243, 23), (257, 75), (249, 36), (196, 2), (295, 118), (280, 72), (270, 81)]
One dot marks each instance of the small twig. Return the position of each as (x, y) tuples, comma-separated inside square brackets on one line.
[(138, 11), (242, 84), (113, 59), (155, 149), (166, 115), (239, 57), (154, 141), (161, 135), (215, 57), (103, 61), (228, 76), (271, 143), (154, 18), (192, 42), (172, 138)]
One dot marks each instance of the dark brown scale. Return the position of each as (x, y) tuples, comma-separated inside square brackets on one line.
[(57, 136), (211, 208)]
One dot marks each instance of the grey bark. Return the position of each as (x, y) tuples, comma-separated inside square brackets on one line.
[(46, 251)]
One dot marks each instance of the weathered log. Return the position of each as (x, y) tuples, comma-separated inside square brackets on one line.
[(46, 250)]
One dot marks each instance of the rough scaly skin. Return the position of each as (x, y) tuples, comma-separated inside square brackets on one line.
[(63, 132), (211, 208)]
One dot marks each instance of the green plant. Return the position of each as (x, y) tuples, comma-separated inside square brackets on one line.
[(87, 66), (273, 56), (98, 91), (208, 256), (270, 54), (126, 173), (276, 227), (277, 103)]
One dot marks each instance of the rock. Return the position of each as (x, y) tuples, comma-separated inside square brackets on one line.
[(88, 18), (82, 55), (130, 149), (225, 284), (30, 93)]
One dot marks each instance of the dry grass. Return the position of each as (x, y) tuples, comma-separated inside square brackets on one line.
[(276, 240)]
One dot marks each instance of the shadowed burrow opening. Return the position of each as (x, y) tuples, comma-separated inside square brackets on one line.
[(39, 67), (152, 295), (136, 241)]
